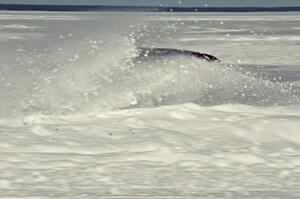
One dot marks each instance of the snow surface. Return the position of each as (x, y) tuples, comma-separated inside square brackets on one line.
[(81, 117)]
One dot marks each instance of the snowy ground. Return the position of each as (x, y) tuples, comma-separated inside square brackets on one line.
[(66, 129)]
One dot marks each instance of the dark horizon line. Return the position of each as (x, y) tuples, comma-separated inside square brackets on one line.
[(40, 7)]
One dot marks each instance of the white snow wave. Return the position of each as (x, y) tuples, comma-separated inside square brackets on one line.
[(98, 74)]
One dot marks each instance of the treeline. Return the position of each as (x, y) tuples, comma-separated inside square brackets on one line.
[(27, 7)]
